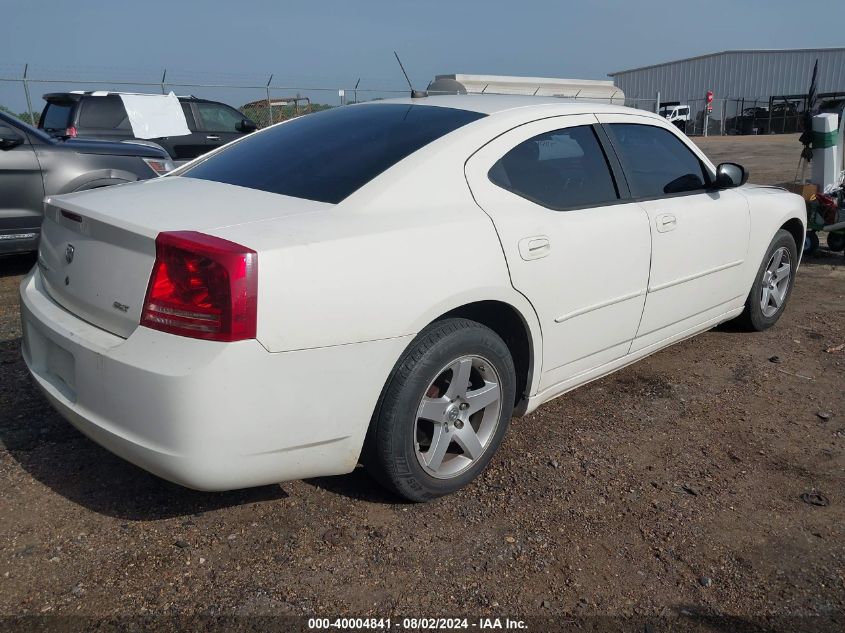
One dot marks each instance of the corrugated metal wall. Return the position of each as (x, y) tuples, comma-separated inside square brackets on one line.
[(737, 74)]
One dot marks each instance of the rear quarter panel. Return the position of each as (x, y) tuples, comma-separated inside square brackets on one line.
[(68, 171), (403, 250), (347, 275)]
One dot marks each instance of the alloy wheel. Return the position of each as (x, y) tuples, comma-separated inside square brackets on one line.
[(458, 416), (776, 279)]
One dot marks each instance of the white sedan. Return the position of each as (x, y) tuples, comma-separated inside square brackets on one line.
[(388, 284)]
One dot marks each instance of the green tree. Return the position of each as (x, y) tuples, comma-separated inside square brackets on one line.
[(23, 116)]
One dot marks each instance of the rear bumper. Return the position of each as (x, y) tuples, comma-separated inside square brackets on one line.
[(206, 415)]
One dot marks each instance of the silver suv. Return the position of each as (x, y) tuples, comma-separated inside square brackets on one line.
[(34, 165)]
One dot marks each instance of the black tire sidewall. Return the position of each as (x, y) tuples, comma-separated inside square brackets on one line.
[(836, 241), (757, 319), (393, 451)]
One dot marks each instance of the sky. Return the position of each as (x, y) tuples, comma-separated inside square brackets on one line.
[(333, 43)]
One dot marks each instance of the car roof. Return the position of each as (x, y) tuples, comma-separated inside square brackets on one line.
[(77, 95), (493, 104)]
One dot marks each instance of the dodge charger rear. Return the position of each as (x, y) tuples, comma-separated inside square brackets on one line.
[(207, 328), (388, 283)]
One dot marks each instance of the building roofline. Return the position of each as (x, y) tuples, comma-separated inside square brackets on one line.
[(729, 52)]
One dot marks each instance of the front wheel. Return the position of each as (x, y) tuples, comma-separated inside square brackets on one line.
[(444, 411), (773, 284)]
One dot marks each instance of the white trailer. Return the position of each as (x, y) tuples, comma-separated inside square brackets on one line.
[(591, 89)]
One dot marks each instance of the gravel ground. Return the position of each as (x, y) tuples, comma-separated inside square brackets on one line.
[(669, 492)]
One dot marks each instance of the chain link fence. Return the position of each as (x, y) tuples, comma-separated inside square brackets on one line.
[(268, 101), (733, 116), (265, 103)]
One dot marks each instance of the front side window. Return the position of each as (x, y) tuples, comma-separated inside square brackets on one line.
[(8, 132), (218, 118), (326, 156), (656, 162), (562, 169)]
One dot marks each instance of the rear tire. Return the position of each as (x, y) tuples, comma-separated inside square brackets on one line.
[(836, 241), (430, 434), (772, 285)]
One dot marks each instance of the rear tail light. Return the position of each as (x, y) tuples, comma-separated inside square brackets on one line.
[(202, 287), (71, 132)]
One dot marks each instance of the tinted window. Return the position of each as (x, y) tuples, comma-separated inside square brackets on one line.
[(656, 162), (105, 113), (561, 169), (328, 155), (7, 131), (189, 116), (219, 118), (56, 116)]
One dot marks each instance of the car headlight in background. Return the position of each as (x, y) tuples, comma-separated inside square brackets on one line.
[(160, 166)]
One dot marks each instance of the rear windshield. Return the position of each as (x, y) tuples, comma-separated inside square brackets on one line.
[(329, 155), (56, 116)]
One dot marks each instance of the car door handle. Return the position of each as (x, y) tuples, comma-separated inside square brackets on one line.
[(212, 137), (666, 222), (534, 247)]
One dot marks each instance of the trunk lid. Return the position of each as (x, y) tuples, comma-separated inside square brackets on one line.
[(98, 247)]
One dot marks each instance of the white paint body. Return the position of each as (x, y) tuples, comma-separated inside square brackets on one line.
[(343, 290)]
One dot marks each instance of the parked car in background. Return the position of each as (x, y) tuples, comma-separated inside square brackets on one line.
[(753, 120), (34, 165), (785, 119), (102, 115), (423, 269), (678, 115)]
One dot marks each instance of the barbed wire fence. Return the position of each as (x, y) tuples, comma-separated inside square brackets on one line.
[(267, 100)]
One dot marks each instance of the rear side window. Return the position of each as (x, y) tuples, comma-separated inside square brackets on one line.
[(56, 116), (189, 116), (656, 162), (560, 170), (105, 113), (329, 155)]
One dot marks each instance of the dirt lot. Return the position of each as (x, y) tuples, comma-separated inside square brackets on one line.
[(666, 493)]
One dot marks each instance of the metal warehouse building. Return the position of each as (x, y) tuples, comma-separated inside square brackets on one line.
[(738, 79)]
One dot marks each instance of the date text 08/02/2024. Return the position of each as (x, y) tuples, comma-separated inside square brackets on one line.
[(416, 624)]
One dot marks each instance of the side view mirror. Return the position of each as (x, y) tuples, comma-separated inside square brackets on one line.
[(246, 126), (9, 139), (730, 175)]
